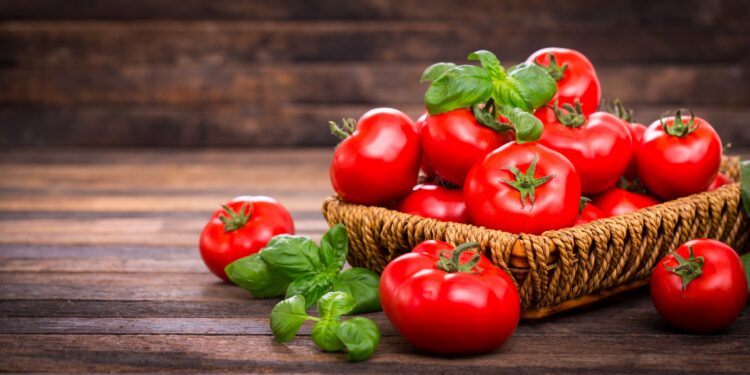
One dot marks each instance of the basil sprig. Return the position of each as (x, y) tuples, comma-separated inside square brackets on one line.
[(295, 265), (515, 92), (360, 336)]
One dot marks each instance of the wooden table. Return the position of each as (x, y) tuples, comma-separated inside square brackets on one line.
[(99, 271)]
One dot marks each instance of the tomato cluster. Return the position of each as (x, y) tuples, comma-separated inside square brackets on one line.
[(481, 163)]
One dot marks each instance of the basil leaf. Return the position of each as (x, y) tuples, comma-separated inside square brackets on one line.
[(434, 71), (360, 336), (324, 335), (459, 87), (292, 256), (335, 304), (528, 127), (745, 185), (312, 287), (363, 285), (287, 317), (252, 274), (333, 248), (489, 62), (532, 84), (746, 264)]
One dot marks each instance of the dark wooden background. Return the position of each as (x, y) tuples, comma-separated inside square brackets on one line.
[(266, 73)]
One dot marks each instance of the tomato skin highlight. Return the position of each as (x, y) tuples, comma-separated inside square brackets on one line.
[(218, 248), (711, 301), (617, 201), (672, 166), (379, 163), (600, 149), (579, 81), (437, 202), (454, 141), (449, 313), (720, 180), (495, 204)]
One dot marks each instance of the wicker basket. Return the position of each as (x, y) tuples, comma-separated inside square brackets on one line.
[(561, 269)]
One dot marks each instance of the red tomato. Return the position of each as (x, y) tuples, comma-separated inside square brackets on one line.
[(241, 228), (720, 180), (454, 141), (679, 158), (575, 75), (380, 161), (701, 287), (425, 168), (447, 301), (523, 188), (617, 201), (636, 132), (588, 212), (599, 146), (437, 202)]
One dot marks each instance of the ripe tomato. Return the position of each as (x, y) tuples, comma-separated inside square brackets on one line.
[(448, 301), (720, 180), (599, 146), (701, 287), (588, 212), (575, 76), (379, 161), (437, 202), (523, 188), (425, 168), (679, 157), (241, 228), (618, 201), (636, 132), (454, 141)]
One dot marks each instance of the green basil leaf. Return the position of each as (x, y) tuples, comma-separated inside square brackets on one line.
[(292, 256), (252, 274), (746, 264), (528, 127), (489, 62), (333, 248), (532, 84), (363, 285), (324, 335), (459, 87), (434, 71), (287, 318), (334, 304), (745, 185), (360, 336), (312, 287)]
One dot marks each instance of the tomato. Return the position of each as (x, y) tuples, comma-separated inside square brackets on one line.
[(523, 188), (425, 168), (700, 287), (588, 212), (636, 133), (241, 228), (720, 180), (599, 146), (446, 300), (437, 202), (679, 157), (454, 141), (575, 75), (379, 161), (618, 201)]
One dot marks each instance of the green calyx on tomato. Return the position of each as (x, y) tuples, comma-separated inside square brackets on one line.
[(486, 114), (345, 130), (525, 182), (554, 69), (451, 263), (582, 204), (572, 117), (618, 109), (514, 92), (680, 128), (236, 220), (633, 186), (687, 269)]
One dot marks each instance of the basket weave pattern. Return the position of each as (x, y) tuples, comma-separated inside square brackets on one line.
[(565, 268)]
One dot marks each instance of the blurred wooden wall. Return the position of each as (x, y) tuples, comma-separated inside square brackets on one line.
[(265, 73)]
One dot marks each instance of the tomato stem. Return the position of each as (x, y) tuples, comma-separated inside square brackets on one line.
[(573, 117), (582, 204), (687, 269), (452, 263), (236, 220), (525, 182), (619, 110), (634, 186), (554, 69), (486, 114), (345, 130), (680, 128)]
